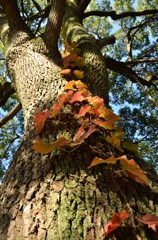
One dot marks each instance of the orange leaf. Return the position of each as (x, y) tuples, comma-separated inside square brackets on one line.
[(117, 218), (80, 85), (107, 114), (69, 85), (134, 177), (132, 167), (40, 120), (78, 97), (43, 147), (65, 71), (97, 161), (83, 111), (79, 74), (96, 101), (104, 124), (62, 100), (150, 220)]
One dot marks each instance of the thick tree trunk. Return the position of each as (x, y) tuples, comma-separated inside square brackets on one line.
[(55, 196)]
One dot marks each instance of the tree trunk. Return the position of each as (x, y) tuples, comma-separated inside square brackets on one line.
[(55, 196)]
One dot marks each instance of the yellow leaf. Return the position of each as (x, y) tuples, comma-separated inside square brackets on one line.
[(69, 85), (79, 74), (114, 141)]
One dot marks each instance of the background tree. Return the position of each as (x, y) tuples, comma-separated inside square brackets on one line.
[(55, 196)]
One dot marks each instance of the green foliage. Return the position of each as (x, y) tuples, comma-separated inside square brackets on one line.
[(10, 138)]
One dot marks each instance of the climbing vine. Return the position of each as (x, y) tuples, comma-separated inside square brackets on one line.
[(90, 116)]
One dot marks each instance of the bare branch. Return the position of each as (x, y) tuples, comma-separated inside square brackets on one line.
[(130, 35), (54, 25), (38, 7), (106, 41), (124, 70), (116, 16), (10, 90), (44, 14), (146, 92), (150, 60), (10, 115), (82, 6)]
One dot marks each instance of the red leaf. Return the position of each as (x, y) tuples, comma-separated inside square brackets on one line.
[(62, 100), (79, 140), (40, 120), (150, 220), (117, 218), (79, 134), (83, 111), (81, 131)]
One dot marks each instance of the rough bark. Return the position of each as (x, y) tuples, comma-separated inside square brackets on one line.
[(56, 196), (95, 67)]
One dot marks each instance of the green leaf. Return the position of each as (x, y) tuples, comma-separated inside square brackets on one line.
[(130, 146)]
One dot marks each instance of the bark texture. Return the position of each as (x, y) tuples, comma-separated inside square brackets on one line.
[(55, 196)]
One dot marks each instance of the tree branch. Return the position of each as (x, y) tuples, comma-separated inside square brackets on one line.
[(82, 6), (43, 14), (10, 115), (116, 16), (7, 93), (11, 10), (53, 26), (150, 60), (38, 7), (124, 70), (106, 41)]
